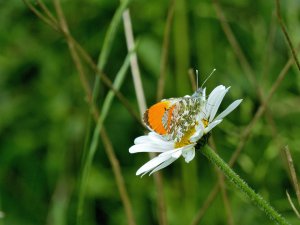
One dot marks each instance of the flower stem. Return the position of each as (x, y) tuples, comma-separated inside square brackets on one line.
[(243, 186)]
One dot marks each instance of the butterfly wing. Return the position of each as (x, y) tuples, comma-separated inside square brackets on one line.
[(184, 117), (158, 117)]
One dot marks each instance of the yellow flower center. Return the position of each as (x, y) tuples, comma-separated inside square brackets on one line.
[(205, 122), (185, 140)]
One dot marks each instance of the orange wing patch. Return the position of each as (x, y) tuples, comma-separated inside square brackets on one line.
[(153, 117)]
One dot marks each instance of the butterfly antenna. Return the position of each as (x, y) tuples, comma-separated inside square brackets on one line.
[(212, 72), (197, 77)]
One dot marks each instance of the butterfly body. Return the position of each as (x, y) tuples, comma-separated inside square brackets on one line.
[(175, 117)]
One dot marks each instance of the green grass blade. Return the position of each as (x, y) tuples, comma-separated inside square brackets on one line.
[(102, 60), (95, 138)]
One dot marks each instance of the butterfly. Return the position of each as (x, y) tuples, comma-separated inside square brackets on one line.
[(174, 117)]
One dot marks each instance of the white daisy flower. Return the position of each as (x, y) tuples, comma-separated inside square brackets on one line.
[(162, 119)]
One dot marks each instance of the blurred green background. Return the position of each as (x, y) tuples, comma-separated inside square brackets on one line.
[(44, 114)]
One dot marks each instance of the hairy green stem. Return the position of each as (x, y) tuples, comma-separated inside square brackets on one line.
[(244, 187)]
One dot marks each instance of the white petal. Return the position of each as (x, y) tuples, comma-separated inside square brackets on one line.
[(211, 126), (169, 153), (154, 135), (152, 164), (150, 137), (163, 165), (212, 99), (146, 148), (229, 109), (217, 103), (189, 155), (141, 139), (216, 90), (177, 154), (158, 139), (151, 143)]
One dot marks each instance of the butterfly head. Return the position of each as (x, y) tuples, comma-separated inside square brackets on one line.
[(200, 93)]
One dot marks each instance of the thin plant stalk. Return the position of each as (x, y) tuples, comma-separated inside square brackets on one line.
[(292, 205), (235, 46), (266, 59), (73, 43), (243, 186), (139, 90), (292, 172), (60, 201), (119, 178), (193, 80), (104, 137), (286, 34), (242, 59), (181, 48), (87, 58), (207, 203), (95, 137), (137, 81), (261, 110), (104, 112), (162, 208), (40, 15), (111, 34), (102, 60), (90, 152), (107, 44), (164, 52)]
